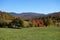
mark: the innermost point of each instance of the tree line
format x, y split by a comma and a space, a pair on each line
9, 21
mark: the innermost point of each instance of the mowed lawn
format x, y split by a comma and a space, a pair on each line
33, 33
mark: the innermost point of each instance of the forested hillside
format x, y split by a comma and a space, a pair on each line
12, 20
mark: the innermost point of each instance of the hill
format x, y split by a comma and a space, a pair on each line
28, 15
30, 19
7, 17
56, 14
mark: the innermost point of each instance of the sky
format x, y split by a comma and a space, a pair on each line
38, 6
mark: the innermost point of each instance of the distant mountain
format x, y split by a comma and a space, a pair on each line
28, 15
12, 13
56, 14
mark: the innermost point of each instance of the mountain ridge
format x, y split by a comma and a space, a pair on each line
28, 15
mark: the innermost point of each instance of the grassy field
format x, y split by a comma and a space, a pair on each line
33, 33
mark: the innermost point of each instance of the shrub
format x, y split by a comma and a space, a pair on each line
16, 23
3, 24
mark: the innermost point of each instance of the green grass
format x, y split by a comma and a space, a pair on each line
33, 33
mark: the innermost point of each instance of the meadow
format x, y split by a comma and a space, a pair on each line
33, 33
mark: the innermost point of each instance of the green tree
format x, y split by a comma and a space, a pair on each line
16, 23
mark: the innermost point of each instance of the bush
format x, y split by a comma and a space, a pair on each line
26, 24
3, 24
16, 23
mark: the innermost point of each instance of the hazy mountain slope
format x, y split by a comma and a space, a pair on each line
28, 15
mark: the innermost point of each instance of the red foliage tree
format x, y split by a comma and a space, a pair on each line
41, 23
36, 23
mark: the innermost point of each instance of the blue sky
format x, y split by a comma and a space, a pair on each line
38, 6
